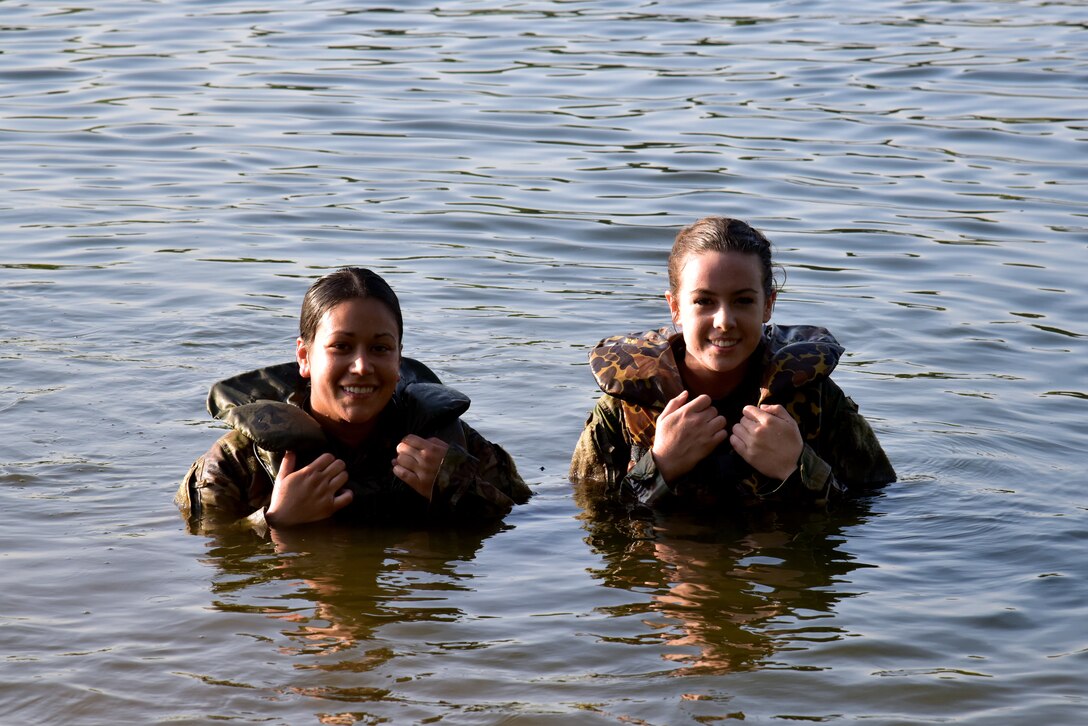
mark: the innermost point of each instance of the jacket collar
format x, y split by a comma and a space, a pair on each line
270, 405
641, 369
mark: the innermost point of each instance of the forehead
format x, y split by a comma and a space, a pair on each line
721, 271
358, 316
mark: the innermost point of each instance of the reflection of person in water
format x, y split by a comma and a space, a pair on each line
348, 582
717, 586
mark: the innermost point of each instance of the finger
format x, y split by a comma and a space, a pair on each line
738, 442
700, 403
287, 465
342, 498
407, 460
338, 480
417, 446
744, 430
438, 444
320, 464
325, 473
757, 416
777, 411
434, 450
409, 478
333, 467
675, 403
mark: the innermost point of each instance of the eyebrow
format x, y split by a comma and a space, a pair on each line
704, 291
351, 334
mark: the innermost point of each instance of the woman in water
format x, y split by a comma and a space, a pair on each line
352, 430
723, 408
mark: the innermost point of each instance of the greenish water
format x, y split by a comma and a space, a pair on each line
174, 175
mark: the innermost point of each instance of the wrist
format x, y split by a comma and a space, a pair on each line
275, 518
664, 467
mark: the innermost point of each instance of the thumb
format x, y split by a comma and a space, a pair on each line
287, 465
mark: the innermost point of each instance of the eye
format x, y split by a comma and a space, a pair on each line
702, 301
746, 300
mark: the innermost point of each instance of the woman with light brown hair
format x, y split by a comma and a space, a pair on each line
723, 408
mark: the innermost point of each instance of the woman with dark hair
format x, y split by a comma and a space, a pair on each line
352, 430
723, 409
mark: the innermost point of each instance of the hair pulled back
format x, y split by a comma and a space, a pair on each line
720, 234
345, 284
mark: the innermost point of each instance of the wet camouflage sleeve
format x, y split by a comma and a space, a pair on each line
848, 456
603, 453
603, 465
477, 483
228, 484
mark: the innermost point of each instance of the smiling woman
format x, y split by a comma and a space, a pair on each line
352, 430
723, 409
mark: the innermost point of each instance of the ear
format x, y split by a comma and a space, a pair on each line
302, 355
768, 307
674, 306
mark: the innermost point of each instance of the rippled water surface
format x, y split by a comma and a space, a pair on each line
175, 174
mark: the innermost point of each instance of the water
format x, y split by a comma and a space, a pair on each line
174, 175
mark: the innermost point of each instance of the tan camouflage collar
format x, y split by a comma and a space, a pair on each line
641, 369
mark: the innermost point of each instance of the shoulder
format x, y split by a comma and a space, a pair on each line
230, 456
606, 413
605, 430
640, 368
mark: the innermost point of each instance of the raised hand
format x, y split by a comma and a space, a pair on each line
312, 493
767, 437
687, 431
418, 461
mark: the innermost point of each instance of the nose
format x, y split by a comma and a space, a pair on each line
723, 318
359, 366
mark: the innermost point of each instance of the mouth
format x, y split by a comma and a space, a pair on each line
359, 390
722, 344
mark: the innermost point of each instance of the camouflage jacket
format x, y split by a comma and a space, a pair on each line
639, 375
267, 412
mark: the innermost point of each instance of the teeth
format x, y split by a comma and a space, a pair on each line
358, 390
723, 343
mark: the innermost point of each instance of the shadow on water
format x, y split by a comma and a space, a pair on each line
726, 592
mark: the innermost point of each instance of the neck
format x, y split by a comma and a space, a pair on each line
352, 434
713, 384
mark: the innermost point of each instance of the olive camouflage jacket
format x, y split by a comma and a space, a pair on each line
266, 410
639, 375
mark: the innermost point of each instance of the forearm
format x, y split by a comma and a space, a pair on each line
220, 486
602, 454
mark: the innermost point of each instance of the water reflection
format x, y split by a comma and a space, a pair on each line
343, 585
726, 593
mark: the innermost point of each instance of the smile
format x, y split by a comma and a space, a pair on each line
724, 344
359, 390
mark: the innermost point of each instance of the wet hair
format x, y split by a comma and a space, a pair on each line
345, 284
720, 234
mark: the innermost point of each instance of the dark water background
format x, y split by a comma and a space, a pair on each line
173, 175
